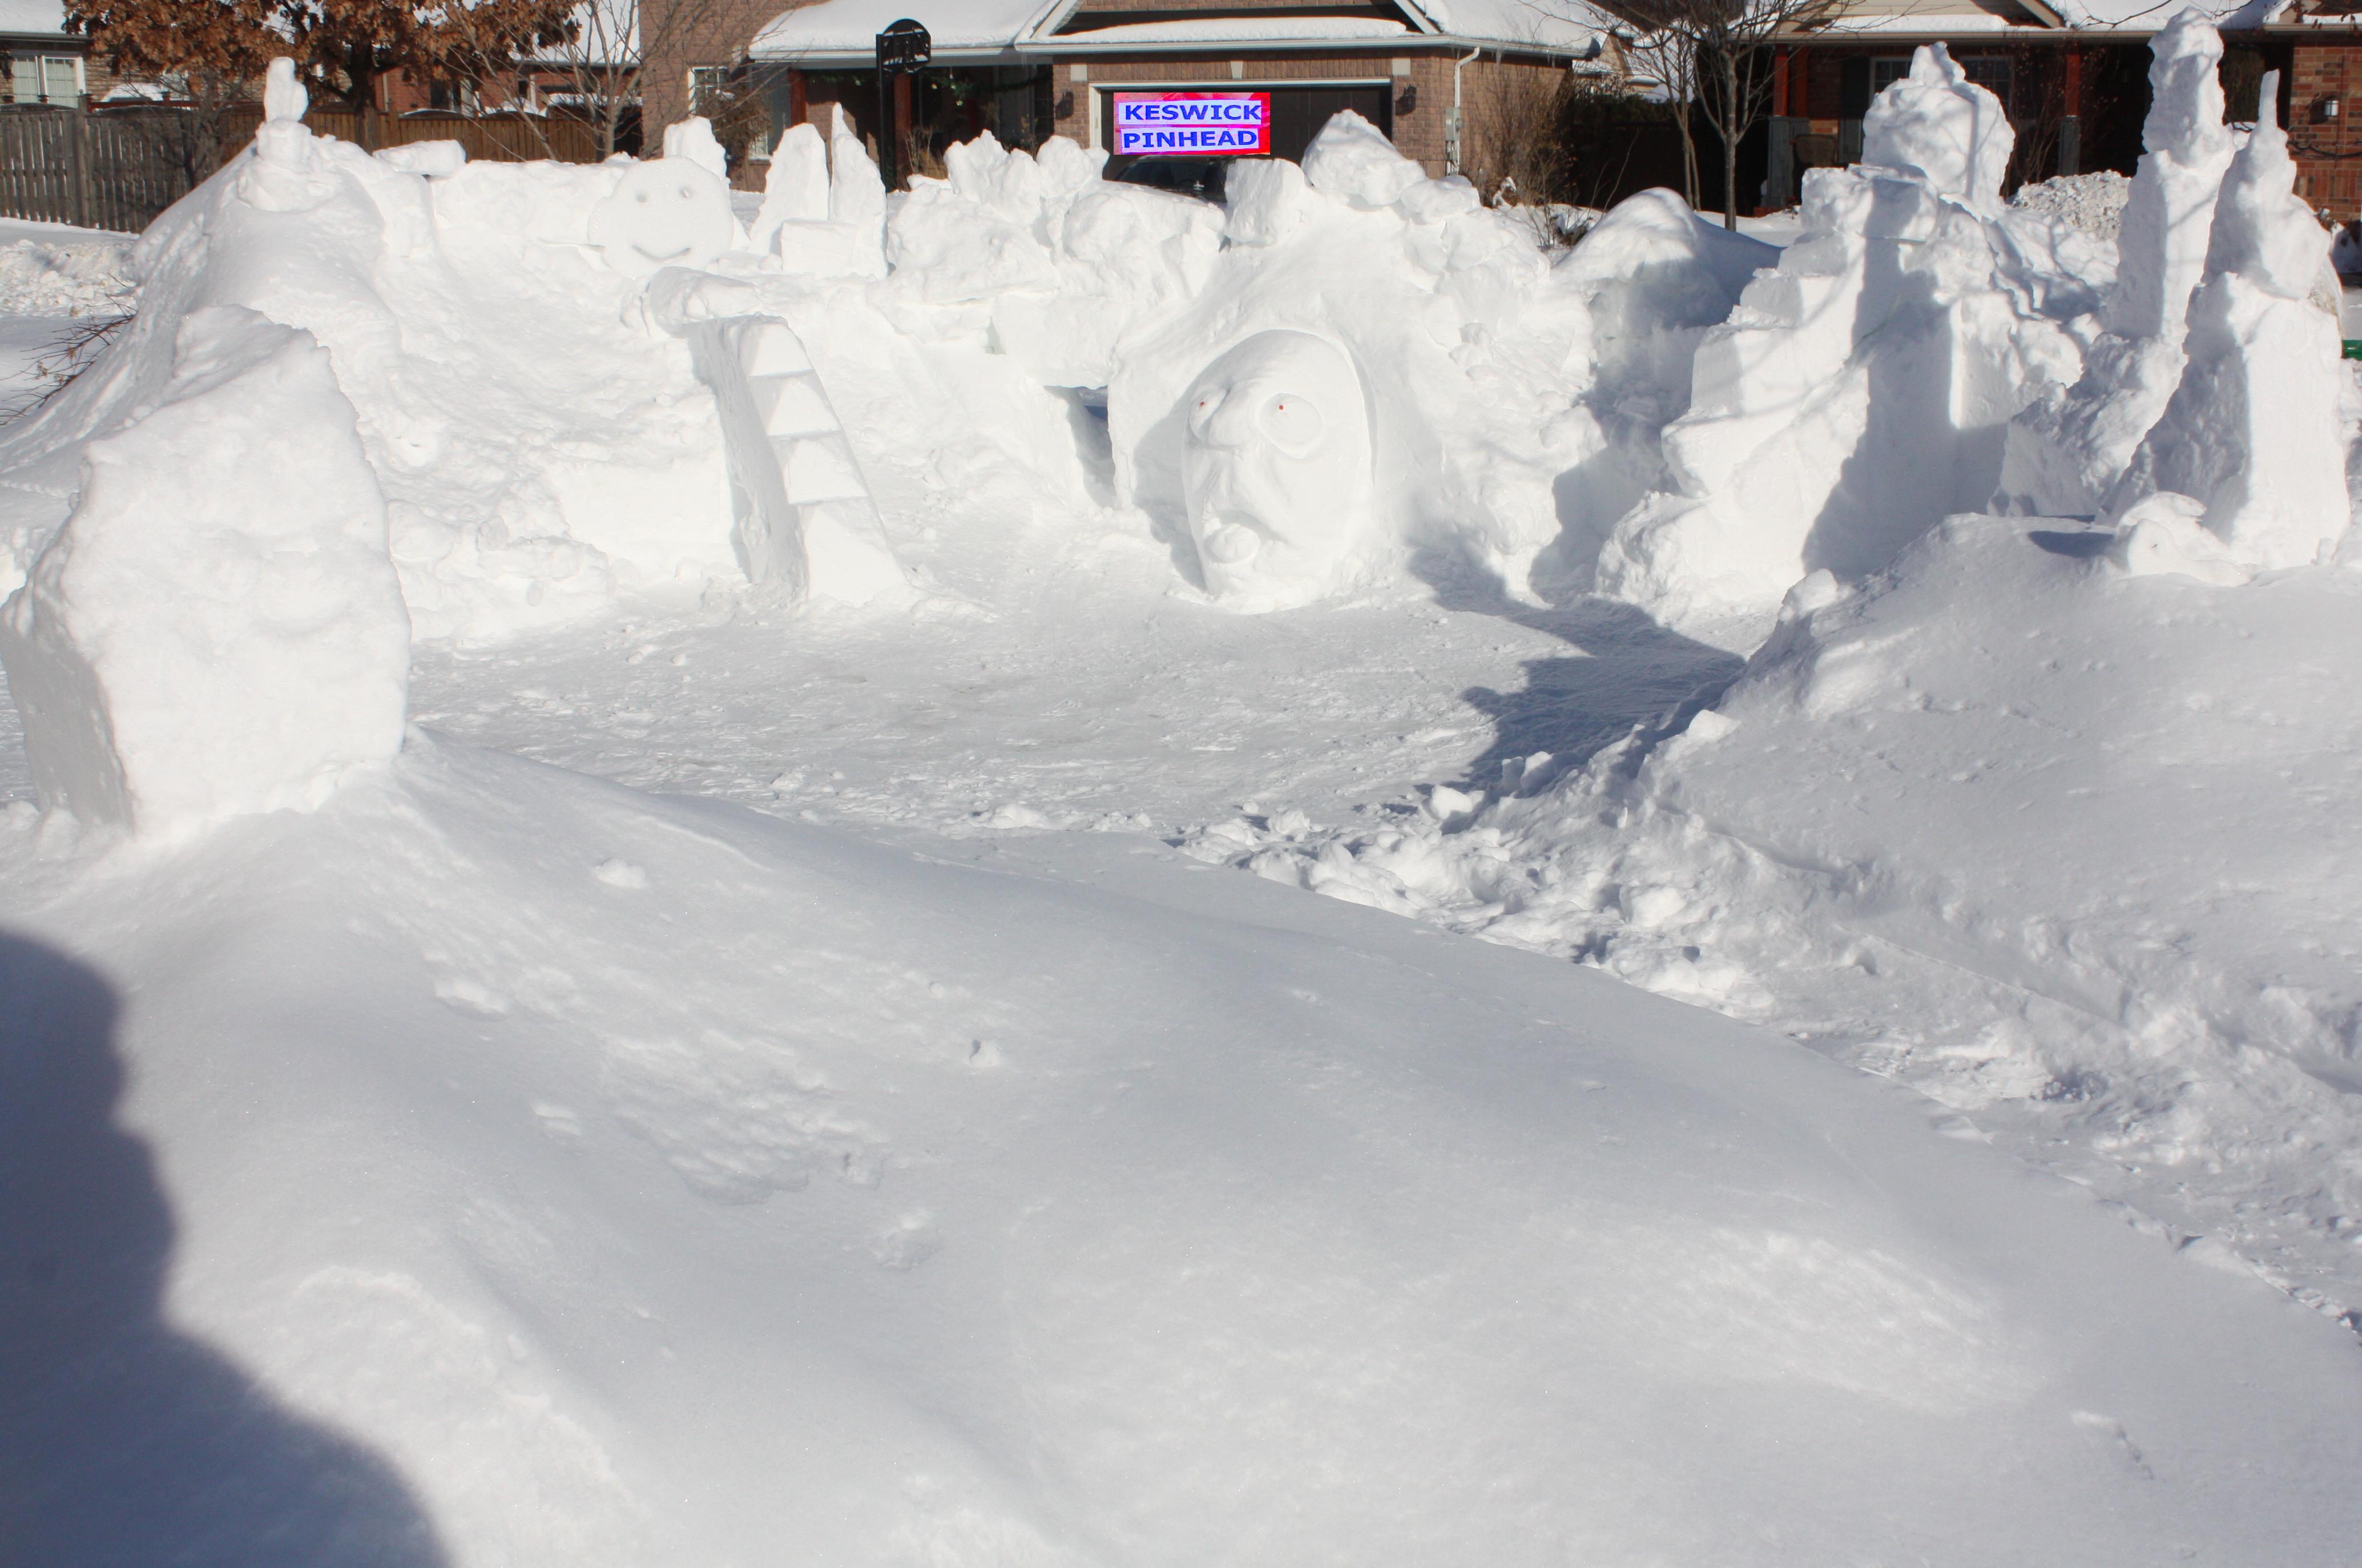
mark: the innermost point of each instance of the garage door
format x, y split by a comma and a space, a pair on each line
1297, 112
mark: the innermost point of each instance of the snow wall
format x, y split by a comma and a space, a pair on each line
574, 385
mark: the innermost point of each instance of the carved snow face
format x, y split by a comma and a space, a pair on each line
1277, 469
664, 213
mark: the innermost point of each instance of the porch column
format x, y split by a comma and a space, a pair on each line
2071, 122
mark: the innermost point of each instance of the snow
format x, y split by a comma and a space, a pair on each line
32, 17
914, 1234
1863, 389
1241, 30
846, 26
854, 25
217, 629
2253, 432
2092, 203
621, 933
1936, 125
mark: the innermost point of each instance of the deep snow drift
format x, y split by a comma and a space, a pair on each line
514, 1163
1017, 1211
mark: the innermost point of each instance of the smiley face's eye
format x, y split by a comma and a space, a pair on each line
1292, 422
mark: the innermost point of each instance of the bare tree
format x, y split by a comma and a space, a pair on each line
1667, 57
1719, 46
603, 66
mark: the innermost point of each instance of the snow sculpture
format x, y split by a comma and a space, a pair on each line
692, 140
1352, 161
218, 628
800, 510
1941, 128
2166, 535
1466, 349
795, 189
2252, 430
2069, 449
668, 212
824, 220
1065, 262
1277, 472
1860, 392
280, 178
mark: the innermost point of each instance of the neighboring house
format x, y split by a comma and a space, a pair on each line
48, 65
1429, 72
2073, 76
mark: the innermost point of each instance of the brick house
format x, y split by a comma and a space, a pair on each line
48, 65
2074, 77
1440, 76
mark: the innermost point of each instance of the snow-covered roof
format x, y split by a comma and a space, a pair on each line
846, 30
1551, 23
1227, 29
1949, 19
20, 17
2148, 15
840, 27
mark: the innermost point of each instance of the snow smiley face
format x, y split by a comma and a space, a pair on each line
1277, 473
665, 213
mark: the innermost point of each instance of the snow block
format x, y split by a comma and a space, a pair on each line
218, 629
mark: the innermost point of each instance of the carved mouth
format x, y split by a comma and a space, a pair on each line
668, 256
1232, 544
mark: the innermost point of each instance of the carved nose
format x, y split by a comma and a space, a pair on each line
1232, 425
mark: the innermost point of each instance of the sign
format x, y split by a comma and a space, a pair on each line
904, 48
1192, 124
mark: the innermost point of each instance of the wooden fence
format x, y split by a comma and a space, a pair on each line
118, 168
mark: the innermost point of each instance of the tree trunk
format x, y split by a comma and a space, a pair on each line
1689, 152
1730, 133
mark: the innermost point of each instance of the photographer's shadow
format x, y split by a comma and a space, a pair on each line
124, 1441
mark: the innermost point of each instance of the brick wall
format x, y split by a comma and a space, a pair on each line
683, 34
2328, 150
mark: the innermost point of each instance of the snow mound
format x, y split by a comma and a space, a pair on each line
2070, 851
2092, 203
84, 278
912, 1237
218, 628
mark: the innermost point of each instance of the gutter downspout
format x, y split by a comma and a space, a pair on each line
1452, 122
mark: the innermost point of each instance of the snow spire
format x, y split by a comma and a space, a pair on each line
2163, 243
284, 97
2263, 229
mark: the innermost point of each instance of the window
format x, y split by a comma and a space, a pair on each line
1991, 72
1885, 72
44, 78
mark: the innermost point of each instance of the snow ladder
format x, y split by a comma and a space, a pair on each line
800, 512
